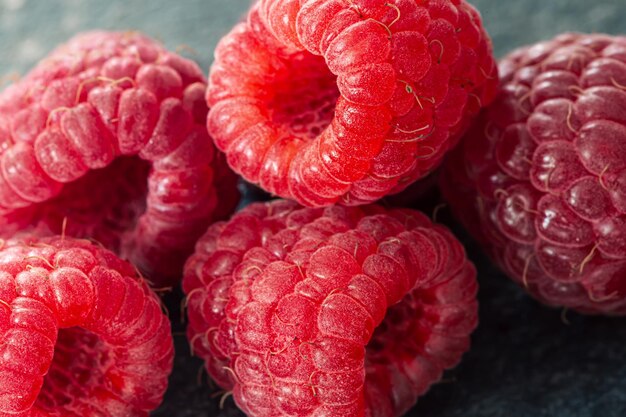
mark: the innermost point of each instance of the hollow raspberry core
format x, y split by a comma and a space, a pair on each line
80, 363
394, 330
424, 320
103, 205
305, 95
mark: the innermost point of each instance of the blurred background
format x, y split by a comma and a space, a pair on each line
526, 360
29, 28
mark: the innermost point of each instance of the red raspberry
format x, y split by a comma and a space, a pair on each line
108, 132
541, 178
80, 333
334, 101
329, 312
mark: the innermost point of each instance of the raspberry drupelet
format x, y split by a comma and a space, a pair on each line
109, 133
540, 179
339, 101
335, 312
81, 334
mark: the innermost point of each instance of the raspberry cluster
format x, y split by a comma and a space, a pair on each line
328, 312
108, 133
335, 101
80, 333
541, 178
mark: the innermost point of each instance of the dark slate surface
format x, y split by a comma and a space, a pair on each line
526, 360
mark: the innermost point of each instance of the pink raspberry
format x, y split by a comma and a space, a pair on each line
80, 333
334, 101
540, 179
329, 312
108, 132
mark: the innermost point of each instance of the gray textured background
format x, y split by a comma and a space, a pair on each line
525, 361
29, 28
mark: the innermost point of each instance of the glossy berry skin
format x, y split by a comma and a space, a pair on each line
108, 132
81, 334
335, 101
329, 312
540, 179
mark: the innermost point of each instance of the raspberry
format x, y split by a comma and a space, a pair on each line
540, 178
331, 311
80, 333
333, 101
108, 132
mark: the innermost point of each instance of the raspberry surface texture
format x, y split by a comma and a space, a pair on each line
109, 133
338, 101
81, 334
540, 179
335, 312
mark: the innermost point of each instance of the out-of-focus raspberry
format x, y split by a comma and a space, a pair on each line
329, 312
540, 179
108, 133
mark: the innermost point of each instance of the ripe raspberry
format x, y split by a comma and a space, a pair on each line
541, 178
108, 132
80, 334
329, 312
334, 101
